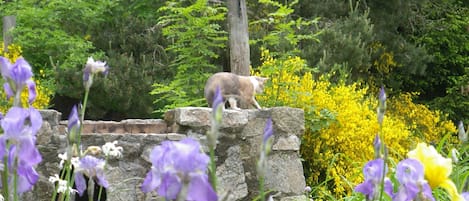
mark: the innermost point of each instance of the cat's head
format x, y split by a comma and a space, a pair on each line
259, 83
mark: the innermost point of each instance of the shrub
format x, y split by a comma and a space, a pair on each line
341, 123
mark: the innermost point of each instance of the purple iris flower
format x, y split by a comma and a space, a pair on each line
93, 168
175, 164
410, 174
93, 67
20, 127
17, 75
268, 131
373, 172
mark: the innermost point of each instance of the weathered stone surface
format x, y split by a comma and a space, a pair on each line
230, 176
136, 126
198, 117
237, 151
291, 142
281, 175
288, 121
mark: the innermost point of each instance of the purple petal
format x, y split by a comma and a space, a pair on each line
200, 189
90, 163
377, 146
73, 119
373, 169
382, 94
366, 188
218, 99
170, 186
80, 183
13, 122
21, 72
409, 170
388, 189
27, 177
6, 66
28, 151
8, 91
35, 119
102, 180
188, 157
268, 130
151, 182
32, 91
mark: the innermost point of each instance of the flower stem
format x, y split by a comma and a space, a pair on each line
213, 169
383, 152
15, 180
6, 194
82, 119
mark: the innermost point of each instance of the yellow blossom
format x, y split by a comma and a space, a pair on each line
437, 169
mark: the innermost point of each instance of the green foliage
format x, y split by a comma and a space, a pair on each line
42, 33
279, 31
196, 37
137, 59
445, 35
345, 47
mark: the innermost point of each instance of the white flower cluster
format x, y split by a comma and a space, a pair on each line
110, 149
63, 158
62, 186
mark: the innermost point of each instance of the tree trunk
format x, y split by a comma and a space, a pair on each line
239, 37
9, 22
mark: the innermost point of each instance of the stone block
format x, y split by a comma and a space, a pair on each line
285, 173
136, 126
290, 143
288, 121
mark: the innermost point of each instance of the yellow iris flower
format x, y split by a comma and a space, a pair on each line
437, 169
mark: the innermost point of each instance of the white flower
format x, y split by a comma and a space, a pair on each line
110, 149
63, 158
75, 161
62, 185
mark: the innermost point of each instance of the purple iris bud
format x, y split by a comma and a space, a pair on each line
373, 172
377, 146
20, 127
175, 164
93, 168
382, 94
17, 75
410, 174
218, 99
382, 105
268, 130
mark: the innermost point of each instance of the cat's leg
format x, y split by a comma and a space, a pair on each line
256, 104
233, 103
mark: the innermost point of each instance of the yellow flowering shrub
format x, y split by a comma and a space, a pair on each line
430, 126
334, 152
43, 93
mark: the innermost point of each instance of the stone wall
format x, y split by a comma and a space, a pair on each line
237, 150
